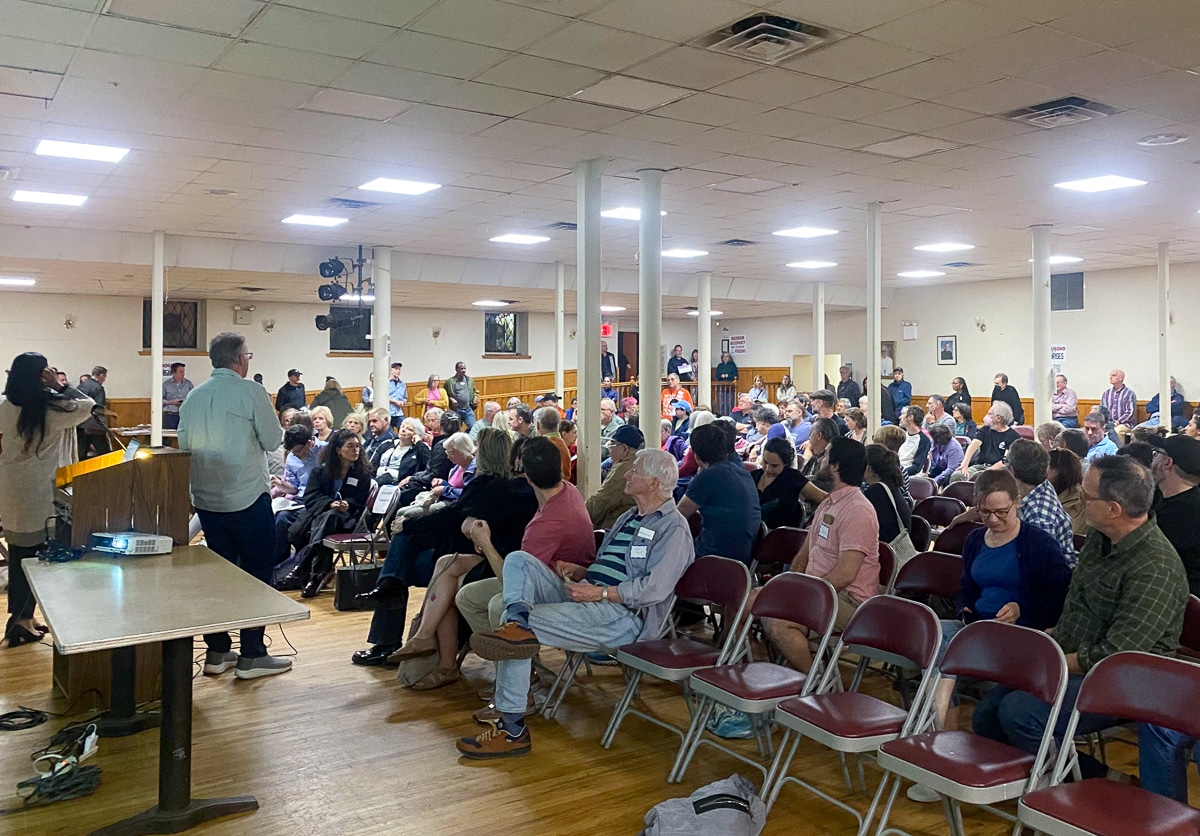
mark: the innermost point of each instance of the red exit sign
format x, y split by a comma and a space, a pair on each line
606, 329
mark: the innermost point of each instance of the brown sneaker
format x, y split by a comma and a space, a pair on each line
512, 641
490, 715
494, 743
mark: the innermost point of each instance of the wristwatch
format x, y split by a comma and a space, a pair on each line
604, 594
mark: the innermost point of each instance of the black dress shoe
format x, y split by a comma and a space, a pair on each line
376, 655
290, 582
312, 588
386, 588
18, 635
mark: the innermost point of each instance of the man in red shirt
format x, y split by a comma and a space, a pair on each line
842, 547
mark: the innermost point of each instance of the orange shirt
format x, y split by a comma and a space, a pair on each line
669, 395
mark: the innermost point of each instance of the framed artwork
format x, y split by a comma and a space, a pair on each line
947, 350
887, 356
725, 345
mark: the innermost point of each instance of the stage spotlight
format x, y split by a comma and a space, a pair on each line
322, 322
330, 292
332, 268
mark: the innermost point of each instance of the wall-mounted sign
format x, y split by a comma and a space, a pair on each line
737, 344
606, 330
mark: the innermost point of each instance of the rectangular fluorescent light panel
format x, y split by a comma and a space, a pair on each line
630, 93
812, 265
683, 253
1062, 259
611, 308
52, 198
410, 187
625, 213
518, 238
17, 281
920, 274
1100, 184
80, 151
314, 220
944, 248
805, 232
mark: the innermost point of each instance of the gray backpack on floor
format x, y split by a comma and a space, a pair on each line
729, 807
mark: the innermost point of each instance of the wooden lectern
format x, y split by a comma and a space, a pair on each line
149, 494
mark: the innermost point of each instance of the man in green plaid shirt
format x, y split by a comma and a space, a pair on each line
1128, 592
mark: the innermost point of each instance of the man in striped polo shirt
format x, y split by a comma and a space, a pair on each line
625, 596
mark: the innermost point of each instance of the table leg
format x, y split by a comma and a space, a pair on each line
176, 810
122, 718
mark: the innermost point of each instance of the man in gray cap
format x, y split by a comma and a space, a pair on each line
610, 501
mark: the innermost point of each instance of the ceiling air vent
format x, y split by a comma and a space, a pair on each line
768, 39
564, 226
252, 289
736, 242
356, 205
1061, 112
961, 264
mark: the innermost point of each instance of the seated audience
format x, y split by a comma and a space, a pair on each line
1176, 470
610, 501
610, 421
991, 442
1066, 475
796, 420
607, 390
673, 392
1064, 407
741, 415
825, 406
1120, 401
322, 420
724, 495
688, 467
856, 424
964, 423
766, 426
490, 410
1139, 451
960, 393
1192, 430
945, 454
1178, 406
433, 395
935, 413
301, 459
893, 438
1040, 506
681, 418
785, 391
356, 423
780, 486
629, 589
883, 490
1077, 442
672, 444
568, 431
1047, 434
1006, 394
408, 455
439, 462
758, 391
1099, 444
546, 420
842, 548
520, 422
335, 400
914, 452
824, 430
460, 450
1128, 592
380, 437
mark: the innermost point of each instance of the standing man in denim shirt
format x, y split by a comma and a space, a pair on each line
397, 395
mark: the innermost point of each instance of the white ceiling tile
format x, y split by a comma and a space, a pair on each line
848, 15
313, 32
287, 64
600, 47
431, 54
852, 103
44, 23
35, 55
947, 27
1115, 23
361, 105
388, 12
932, 79
531, 133
635, 94
129, 73
220, 17
1001, 96
678, 21
483, 98
540, 75
246, 88
1030, 49
693, 68
708, 109
855, 59
32, 83
775, 86
1092, 72
434, 118
850, 136
1179, 49
488, 22
980, 130
727, 141
393, 82
918, 117
581, 115
146, 40
785, 123
654, 128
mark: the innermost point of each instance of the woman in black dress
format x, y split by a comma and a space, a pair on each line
780, 485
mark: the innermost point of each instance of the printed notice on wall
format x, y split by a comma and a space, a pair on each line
737, 344
1058, 354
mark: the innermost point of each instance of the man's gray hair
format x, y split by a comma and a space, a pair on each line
1125, 482
1002, 411
546, 419
225, 349
460, 443
827, 428
491, 405
701, 417
435, 411
660, 466
415, 425
608, 402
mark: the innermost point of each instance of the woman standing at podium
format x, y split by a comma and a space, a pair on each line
38, 417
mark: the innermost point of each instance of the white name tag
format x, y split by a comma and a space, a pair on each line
352, 481
637, 552
645, 534
823, 532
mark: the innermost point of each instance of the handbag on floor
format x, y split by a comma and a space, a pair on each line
353, 580
729, 807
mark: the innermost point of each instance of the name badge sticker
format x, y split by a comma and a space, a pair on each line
637, 552
352, 481
645, 534
823, 532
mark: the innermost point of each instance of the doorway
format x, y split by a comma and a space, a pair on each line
627, 354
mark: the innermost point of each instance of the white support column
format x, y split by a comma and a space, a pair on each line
1043, 372
560, 329
1164, 325
818, 325
650, 367
587, 328
381, 323
704, 339
874, 314
158, 299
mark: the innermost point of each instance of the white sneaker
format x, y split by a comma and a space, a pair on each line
922, 794
261, 666
217, 663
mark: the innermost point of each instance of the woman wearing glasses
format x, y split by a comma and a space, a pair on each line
1012, 572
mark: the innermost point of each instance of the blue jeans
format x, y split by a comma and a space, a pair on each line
1019, 719
170, 420
246, 539
1162, 760
557, 621
1069, 423
408, 561
467, 416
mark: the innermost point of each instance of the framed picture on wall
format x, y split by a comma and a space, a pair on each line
887, 357
947, 350
725, 345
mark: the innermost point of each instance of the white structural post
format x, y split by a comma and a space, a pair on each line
560, 328
650, 369
818, 326
1164, 325
874, 314
381, 324
1043, 371
704, 340
587, 295
158, 300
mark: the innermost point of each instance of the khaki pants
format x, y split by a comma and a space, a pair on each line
481, 604
847, 603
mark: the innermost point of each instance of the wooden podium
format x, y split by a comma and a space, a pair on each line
149, 494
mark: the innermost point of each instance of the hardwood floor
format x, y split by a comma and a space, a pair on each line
331, 748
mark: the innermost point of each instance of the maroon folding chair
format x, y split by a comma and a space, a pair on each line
963, 441
886, 629
775, 551
750, 467
717, 581
921, 487
921, 533
930, 573
952, 540
1189, 640
755, 688
694, 524
1135, 686
599, 534
1026, 432
887, 567
939, 511
961, 766
964, 492
1078, 540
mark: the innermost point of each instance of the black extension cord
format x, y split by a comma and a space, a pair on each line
72, 782
22, 719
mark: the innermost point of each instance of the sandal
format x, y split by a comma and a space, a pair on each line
437, 679
413, 648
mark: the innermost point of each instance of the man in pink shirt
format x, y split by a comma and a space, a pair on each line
561, 530
842, 547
